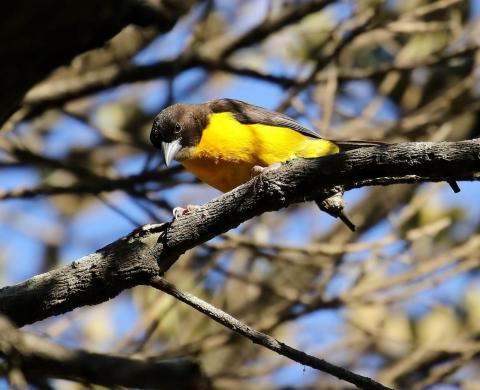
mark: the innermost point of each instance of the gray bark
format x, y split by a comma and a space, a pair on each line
151, 250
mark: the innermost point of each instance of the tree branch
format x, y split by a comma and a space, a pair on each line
37, 356
95, 186
64, 37
152, 249
57, 92
263, 30
61, 91
265, 340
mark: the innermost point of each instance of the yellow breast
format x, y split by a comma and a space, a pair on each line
228, 150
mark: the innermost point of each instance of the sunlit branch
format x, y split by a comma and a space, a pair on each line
152, 249
265, 340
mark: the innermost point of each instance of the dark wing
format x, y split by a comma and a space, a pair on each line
249, 114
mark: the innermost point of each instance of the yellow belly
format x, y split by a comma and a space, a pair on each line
228, 150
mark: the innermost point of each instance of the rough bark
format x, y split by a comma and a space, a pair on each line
152, 249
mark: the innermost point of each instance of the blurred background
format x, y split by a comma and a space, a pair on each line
398, 300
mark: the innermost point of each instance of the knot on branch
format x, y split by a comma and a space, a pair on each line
334, 204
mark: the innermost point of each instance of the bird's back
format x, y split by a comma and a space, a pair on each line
228, 150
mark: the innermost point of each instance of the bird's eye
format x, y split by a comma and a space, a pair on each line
178, 127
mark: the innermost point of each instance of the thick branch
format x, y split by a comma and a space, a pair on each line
71, 28
132, 260
37, 356
169, 12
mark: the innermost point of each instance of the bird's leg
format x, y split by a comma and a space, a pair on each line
257, 169
180, 211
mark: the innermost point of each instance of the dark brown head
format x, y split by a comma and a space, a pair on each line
177, 127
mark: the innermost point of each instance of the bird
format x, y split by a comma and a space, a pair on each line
225, 142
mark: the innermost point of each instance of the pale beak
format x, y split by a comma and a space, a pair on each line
169, 150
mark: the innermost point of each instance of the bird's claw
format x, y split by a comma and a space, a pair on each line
180, 211
257, 169
258, 172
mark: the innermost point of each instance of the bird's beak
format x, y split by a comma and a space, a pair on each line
169, 150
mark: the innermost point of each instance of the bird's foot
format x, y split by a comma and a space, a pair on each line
180, 211
258, 172
257, 169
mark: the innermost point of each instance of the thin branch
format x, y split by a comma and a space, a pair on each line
94, 186
57, 92
263, 339
266, 28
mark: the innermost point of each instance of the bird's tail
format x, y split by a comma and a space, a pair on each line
350, 145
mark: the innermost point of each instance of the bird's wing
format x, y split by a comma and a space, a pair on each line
249, 114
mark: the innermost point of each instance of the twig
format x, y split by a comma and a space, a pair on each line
94, 186
266, 28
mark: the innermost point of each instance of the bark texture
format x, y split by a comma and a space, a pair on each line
151, 250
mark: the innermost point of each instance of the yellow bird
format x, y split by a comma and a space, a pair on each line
225, 142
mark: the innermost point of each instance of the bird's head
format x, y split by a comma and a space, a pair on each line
178, 128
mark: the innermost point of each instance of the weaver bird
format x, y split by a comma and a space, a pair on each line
225, 142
